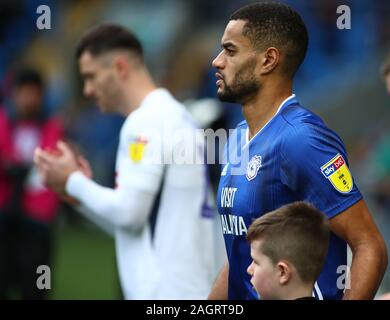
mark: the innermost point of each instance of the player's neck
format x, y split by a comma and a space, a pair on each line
137, 88
263, 106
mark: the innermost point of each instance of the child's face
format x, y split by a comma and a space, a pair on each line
264, 273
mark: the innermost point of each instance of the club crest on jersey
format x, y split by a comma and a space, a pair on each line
253, 167
337, 172
137, 148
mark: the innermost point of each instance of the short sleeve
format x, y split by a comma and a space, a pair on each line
314, 166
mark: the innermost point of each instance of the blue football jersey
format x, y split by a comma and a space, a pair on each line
294, 157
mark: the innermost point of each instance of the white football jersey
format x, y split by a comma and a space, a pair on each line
170, 250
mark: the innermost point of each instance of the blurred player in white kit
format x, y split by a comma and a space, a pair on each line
159, 214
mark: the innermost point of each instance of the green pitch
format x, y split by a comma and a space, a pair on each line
84, 265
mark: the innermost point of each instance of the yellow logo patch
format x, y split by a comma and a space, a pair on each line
337, 172
137, 149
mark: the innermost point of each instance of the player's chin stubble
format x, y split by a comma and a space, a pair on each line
243, 85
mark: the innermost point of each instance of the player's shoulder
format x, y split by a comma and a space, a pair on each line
304, 129
300, 122
160, 115
161, 106
298, 116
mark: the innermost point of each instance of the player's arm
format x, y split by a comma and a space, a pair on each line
102, 223
219, 291
127, 206
122, 207
356, 226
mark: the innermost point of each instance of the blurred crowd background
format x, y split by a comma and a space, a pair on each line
340, 80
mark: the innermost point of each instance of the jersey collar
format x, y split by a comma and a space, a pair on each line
289, 100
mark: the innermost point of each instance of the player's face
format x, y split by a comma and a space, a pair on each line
100, 81
236, 65
264, 273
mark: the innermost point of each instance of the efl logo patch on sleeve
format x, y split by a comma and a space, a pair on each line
137, 148
337, 172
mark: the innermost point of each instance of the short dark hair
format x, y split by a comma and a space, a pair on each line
27, 76
298, 233
108, 37
273, 24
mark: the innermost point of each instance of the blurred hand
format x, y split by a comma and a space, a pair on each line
84, 166
56, 167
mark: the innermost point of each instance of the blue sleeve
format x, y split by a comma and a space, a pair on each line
314, 167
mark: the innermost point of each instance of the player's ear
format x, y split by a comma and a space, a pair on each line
269, 60
121, 65
284, 272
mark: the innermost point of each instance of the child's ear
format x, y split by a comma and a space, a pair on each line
285, 272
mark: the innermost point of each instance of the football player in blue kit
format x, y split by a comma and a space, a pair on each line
284, 153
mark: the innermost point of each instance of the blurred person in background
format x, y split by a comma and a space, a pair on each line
380, 166
381, 155
158, 212
27, 208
